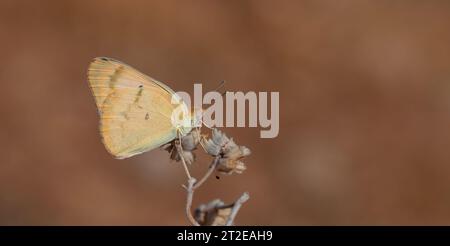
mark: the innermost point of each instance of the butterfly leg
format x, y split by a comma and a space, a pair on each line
200, 138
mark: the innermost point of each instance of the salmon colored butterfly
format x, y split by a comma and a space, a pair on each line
136, 112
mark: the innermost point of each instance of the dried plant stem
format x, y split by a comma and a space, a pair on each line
230, 153
208, 173
237, 205
190, 195
193, 185
180, 152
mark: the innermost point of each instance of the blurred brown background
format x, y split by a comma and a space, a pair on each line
365, 109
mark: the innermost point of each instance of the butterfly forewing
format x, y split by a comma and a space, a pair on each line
135, 110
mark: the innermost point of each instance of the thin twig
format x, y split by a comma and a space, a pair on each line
190, 195
180, 152
208, 173
237, 205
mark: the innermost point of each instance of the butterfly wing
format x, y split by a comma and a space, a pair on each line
135, 110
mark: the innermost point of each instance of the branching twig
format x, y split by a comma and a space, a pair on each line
211, 169
190, 195
193, 185
237, 205
227, 159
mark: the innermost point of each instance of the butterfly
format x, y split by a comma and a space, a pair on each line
137, 113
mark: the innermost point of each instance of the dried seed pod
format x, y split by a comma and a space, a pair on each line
229, 166
215, 213
214, 145
188, 143
230, 153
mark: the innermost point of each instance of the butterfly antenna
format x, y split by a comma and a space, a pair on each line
222, 83
220, 86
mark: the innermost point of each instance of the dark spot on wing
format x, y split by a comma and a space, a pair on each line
114, 76
125, 115
147, 116
104, 59
141, 86
217, 177
138, 94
